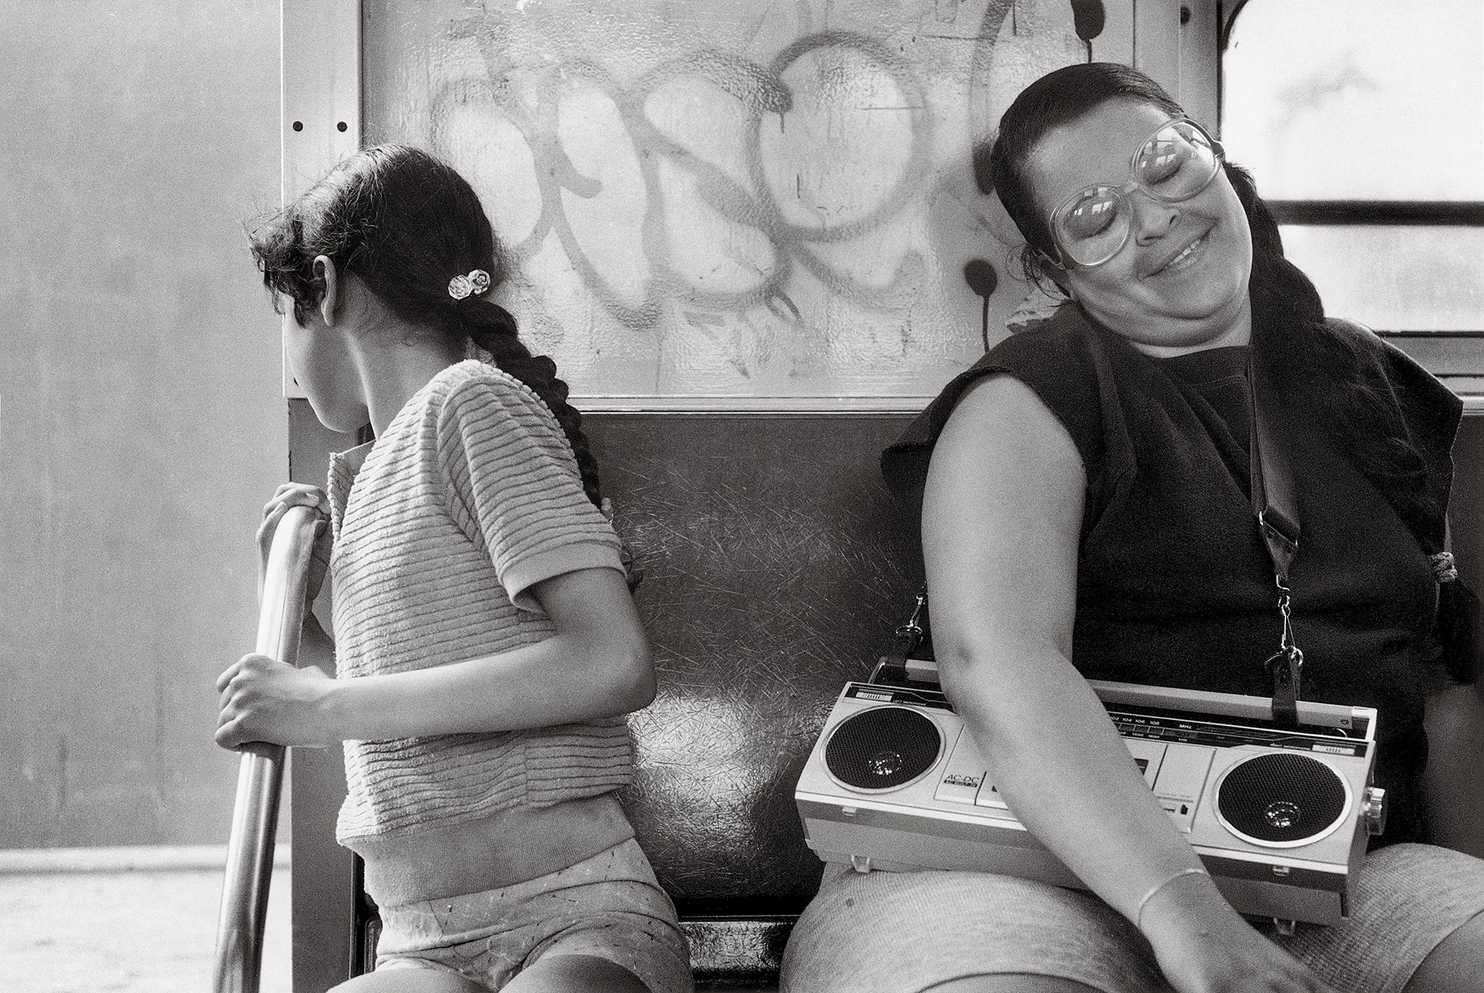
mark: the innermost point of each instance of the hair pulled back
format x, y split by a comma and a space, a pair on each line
1295, 348
405, 223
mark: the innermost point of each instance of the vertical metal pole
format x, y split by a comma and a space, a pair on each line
239, 941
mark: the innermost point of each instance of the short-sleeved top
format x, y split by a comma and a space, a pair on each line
1174, 584
442, 525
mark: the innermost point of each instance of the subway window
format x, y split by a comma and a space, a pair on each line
1363, 122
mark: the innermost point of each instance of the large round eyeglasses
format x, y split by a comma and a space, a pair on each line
1175, 163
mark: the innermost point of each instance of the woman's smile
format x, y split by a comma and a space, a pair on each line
1191, 254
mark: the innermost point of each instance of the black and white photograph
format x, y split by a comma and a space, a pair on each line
777, 496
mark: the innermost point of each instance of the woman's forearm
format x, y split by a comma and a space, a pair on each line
1068, 777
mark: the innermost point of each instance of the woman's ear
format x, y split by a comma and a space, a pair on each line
1043, 266
1058, 275
324, 270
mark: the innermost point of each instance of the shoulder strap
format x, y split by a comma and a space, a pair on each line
1275, 505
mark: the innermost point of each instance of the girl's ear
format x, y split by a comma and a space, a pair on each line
324, 269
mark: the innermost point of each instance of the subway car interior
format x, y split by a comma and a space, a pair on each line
752, 237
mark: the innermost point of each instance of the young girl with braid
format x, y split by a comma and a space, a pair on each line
487, 646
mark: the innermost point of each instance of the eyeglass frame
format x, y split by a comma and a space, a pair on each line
1130, 185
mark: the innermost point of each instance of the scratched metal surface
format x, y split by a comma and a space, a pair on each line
775, 565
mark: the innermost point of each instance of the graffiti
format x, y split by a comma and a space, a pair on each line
763, 98
800, 209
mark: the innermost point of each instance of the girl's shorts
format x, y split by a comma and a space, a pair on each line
609, 906
891, 932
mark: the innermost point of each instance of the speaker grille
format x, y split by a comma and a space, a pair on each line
1281, 799
882, 748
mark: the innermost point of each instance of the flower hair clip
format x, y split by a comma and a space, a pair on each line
473, 284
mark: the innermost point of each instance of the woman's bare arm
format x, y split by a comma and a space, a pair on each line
1002, 519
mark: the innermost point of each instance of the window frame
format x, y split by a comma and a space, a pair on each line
1457, 356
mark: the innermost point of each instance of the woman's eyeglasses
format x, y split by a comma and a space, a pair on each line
1175, 163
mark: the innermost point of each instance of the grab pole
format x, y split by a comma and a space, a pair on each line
239, 937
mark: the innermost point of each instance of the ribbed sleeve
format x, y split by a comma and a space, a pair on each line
514, 487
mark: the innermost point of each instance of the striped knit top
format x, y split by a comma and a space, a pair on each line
441, 527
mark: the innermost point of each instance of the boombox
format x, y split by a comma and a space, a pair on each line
1279, 815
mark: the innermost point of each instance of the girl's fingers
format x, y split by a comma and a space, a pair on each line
228, 673
228, 735
296, 495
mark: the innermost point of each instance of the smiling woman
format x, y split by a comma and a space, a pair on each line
1087, 493
1168, 263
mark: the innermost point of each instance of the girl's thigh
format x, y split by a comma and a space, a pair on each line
575, 974
409, 979
961, 931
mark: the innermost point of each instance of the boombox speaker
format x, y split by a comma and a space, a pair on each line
1279, 814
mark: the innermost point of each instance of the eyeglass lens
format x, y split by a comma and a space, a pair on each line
1175, 164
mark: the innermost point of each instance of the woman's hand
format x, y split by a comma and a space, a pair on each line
296, 495
263, 699
1203, 946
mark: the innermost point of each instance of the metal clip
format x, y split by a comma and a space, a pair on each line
910, 629
1285, 610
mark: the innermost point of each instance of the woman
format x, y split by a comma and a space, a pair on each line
487, 646
1086, 514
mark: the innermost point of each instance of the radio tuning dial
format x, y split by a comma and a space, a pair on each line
1373, 809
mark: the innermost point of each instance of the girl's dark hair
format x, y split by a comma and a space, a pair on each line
1296, 350
406, 223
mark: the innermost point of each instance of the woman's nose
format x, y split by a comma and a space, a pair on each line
1152, 218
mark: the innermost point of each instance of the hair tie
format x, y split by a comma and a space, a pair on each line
1443, 569
473, 284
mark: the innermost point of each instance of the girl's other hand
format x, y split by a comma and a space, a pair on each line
263, 699
297, 495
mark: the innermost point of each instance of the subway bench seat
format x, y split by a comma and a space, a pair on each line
775, 566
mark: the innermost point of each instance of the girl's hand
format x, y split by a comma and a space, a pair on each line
1203, 946
297, 495
263, 699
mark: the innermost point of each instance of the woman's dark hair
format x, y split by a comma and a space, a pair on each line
1295, 350
1054, 100
406, 223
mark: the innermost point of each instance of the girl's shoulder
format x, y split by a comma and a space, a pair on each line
483, 386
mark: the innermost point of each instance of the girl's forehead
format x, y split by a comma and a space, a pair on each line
1093, 148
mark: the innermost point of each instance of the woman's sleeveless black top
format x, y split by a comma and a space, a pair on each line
1174, 585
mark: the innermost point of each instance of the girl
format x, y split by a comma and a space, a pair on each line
487, 643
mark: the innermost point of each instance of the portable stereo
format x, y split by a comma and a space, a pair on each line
1279, 815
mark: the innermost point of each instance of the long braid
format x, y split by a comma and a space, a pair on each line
493, 328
